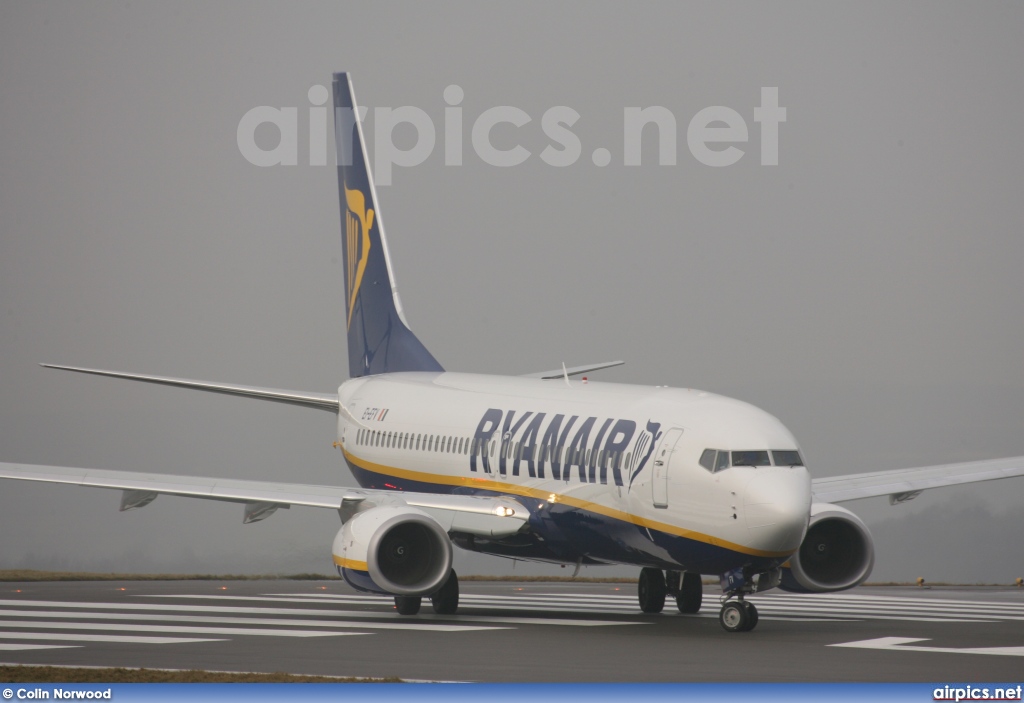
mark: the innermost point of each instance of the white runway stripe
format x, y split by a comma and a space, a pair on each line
76, 637
290, 622
914, 610
538, 608
898, 599
513, 602
336, 613
10, 647
179, 629
790, 606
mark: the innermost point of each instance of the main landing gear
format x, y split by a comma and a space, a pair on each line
737, 614
445, 601
684, 586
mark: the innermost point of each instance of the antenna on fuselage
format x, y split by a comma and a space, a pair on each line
565, 374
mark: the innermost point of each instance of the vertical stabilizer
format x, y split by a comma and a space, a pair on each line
379, 340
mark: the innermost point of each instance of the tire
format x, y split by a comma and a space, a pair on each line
651, 590
752, 616
407, 605
446, 600
733, 617
691, 593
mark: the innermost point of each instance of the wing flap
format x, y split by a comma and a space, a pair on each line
904, 482
485, 516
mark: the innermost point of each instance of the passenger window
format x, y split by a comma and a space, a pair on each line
707, 460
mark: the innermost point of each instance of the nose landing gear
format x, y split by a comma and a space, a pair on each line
738, 616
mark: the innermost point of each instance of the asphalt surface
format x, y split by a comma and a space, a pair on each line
507, 631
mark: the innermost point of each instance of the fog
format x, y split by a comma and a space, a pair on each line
866, 290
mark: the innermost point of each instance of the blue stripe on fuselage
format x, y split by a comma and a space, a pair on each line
570, 534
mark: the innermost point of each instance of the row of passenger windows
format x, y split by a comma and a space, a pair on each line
715, 460
604, 459
420, 442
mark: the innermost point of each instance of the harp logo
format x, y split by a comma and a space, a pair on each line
358, 222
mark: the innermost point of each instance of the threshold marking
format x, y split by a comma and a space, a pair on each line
902, 644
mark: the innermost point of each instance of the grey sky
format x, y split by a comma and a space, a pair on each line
867, 290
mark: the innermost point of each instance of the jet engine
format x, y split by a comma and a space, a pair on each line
393, 550
837, 553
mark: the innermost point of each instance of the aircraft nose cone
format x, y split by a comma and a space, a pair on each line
776, 505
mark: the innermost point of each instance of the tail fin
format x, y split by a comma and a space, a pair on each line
379, 340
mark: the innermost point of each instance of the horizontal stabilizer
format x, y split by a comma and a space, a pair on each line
322, 401
573, 370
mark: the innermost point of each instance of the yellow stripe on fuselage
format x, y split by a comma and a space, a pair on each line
526, 492
350, 563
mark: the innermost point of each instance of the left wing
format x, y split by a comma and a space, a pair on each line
489, 517
905, 484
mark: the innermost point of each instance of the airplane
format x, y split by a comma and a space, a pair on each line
546, 467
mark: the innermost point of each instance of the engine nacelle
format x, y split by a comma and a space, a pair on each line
837, 553
393, 550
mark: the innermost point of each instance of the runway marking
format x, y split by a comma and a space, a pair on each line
310, 612
377, 614
11, 647
289, 622
901, 644
75, 637
180, 629
796, 606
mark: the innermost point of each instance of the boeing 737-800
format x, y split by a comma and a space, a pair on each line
678, 483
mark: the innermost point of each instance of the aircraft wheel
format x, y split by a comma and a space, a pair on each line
691, 592
734, 617
752, 615
446, 600
407, 605
651, 590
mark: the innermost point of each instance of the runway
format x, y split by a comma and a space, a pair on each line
507, 631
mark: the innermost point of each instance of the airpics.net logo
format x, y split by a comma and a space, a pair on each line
715, 135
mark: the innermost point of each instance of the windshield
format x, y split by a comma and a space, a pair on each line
750, 458
787, 457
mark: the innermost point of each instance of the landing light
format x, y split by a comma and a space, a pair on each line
504, 511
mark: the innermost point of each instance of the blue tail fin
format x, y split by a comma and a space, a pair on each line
379, 340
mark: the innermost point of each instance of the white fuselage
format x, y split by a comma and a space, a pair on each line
609, 472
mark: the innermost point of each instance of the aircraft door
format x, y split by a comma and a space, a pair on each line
662, 462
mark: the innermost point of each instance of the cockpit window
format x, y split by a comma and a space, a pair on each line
722, 462
707, 459
750, 458
787, 457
